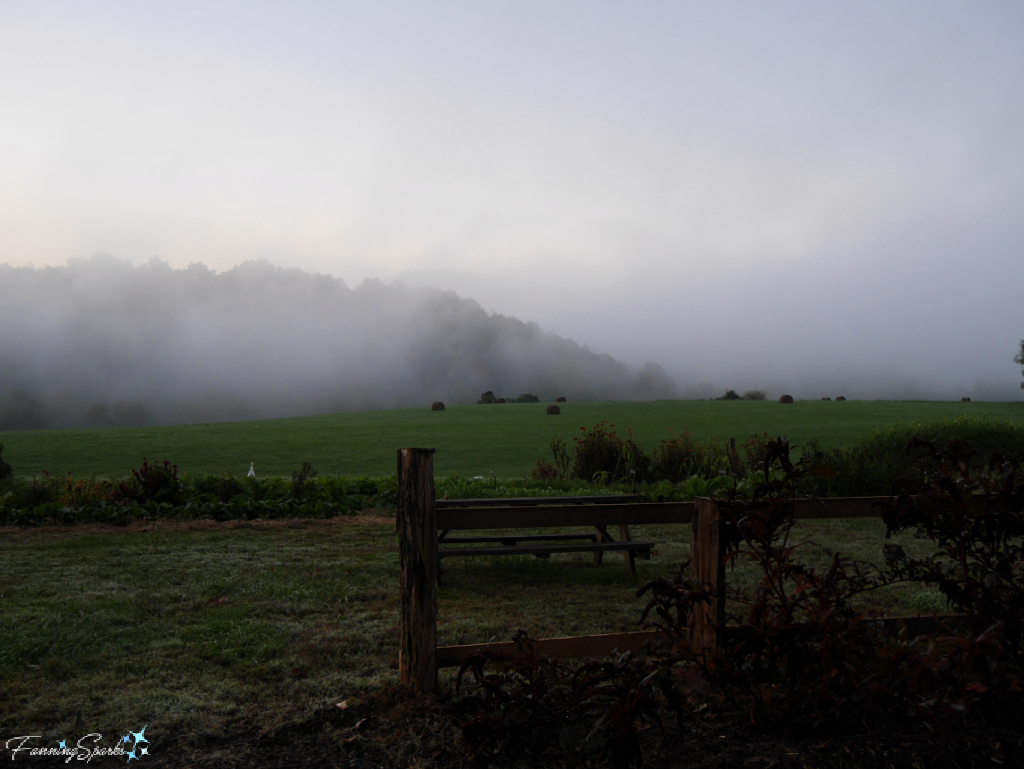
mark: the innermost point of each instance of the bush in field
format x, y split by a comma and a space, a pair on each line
487, 397
525, 398
755, 395
5, 469
730, 395
677, 458
601, 454
152, 483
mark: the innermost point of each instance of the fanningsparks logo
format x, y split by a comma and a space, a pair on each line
133, 745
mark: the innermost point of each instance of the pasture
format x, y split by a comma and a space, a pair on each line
470, 440
231, 639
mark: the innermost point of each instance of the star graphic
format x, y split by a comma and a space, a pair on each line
62, 745
132, 755
125, 739
139, 736
145, 751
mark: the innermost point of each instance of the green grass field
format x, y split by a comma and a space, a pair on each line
470, 440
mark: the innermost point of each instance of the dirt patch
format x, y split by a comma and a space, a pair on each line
364, 518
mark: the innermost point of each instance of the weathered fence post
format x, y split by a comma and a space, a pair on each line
707, 568
416, 522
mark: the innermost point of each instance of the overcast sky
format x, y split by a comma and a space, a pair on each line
796, 194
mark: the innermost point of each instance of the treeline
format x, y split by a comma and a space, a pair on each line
101, 342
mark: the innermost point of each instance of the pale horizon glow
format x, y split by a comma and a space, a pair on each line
788, 194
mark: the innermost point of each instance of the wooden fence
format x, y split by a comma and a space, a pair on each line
418, 522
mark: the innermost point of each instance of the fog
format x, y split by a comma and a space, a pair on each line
811, 198
103, 343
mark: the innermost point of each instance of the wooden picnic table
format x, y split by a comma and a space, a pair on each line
522, 513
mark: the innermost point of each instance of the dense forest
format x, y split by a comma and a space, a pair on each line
101, 342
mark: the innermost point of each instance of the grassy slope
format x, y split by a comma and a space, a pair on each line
471, 440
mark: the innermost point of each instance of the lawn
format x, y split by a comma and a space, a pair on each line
206, 631
470, 440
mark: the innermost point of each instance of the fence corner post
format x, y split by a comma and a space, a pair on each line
707, 568
416, 522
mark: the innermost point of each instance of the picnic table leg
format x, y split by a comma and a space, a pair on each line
624, 537
602, 536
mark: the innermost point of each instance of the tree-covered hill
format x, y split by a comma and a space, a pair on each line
102, 342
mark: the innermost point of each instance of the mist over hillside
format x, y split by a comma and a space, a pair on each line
101, 342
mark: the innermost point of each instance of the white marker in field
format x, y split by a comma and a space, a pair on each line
252, 472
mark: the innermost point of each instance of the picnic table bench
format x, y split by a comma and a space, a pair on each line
522, 512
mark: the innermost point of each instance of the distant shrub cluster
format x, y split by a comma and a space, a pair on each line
600, 455
749, 395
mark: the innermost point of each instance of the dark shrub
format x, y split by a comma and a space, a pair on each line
301, 478
153, 483
601, 453
730, 395
5, 469
228, 488
526, 398
487, 397
500, 400
755, 395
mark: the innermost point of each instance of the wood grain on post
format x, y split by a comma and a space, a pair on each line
416, 522
707, 568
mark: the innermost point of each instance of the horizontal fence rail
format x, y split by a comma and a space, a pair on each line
547, 516
607, 499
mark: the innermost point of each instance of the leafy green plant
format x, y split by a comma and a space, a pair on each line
301, 478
